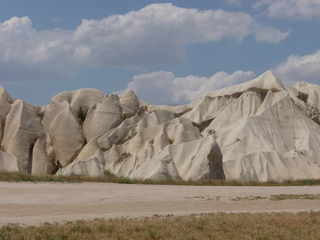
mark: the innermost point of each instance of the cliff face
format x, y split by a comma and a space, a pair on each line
258, 130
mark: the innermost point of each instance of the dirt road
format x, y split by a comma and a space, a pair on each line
36, 203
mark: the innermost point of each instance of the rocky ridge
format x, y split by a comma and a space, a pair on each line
258, 130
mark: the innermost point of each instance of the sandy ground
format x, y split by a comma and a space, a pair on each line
35, 203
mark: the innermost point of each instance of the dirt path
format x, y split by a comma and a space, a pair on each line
36, 203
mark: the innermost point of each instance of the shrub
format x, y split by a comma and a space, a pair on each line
81, 113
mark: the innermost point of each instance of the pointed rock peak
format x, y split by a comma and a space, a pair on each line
270, 81
129, 102
5, 95
301, 85
129, 93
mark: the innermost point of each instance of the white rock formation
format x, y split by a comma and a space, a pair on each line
129, 102
22, 130
8, 162
258, 130
102, 117
66, 135
82, 97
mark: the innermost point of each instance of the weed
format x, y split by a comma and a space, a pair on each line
126, 180
81, 113
248, 198
153, 234
127, 115
294, 197
111, 178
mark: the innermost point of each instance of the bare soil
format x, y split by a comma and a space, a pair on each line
36, 203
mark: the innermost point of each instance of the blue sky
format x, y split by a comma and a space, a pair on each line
167, 52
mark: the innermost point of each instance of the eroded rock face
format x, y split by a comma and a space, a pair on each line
129, 102
22, 130
66, 135
8, 162
258, 130
102, 117
82, 97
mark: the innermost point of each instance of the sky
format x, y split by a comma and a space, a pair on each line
167, 52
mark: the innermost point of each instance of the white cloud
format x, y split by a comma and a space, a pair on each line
159, 33
291, 9
270, 35
156, 34
28, 55
299, 68
165, 88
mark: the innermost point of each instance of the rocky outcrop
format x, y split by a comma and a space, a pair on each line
258, 130
129, 102
8, 162
23, 129
102, 117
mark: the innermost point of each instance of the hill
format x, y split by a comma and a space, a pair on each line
258, 130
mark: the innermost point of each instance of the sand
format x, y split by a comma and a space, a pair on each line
36, 203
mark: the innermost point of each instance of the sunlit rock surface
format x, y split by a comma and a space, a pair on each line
258, 130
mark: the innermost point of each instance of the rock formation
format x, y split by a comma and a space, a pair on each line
258, 130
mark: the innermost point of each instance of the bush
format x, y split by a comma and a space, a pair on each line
81, 114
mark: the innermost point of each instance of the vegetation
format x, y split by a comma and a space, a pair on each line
295, 197
111, 178
127, 115
303, 225
81, 113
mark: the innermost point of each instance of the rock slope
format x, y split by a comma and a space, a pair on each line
258, 130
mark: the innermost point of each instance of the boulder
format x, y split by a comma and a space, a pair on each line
89, 149
22, 130
81, 97
129, 102
90, 167
198, 159
8, 162
66, 135
102, 117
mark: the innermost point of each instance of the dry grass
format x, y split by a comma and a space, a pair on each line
110, 178
248, 198
295, 197
206, 226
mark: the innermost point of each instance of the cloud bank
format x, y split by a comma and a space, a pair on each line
28, 55
165, 88
299, 68
156, 34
